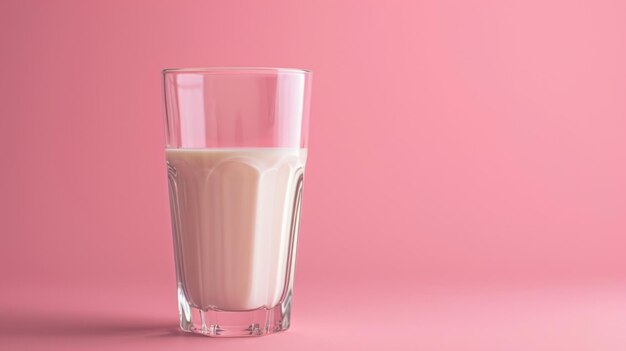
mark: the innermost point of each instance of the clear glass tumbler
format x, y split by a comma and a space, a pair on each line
236, 146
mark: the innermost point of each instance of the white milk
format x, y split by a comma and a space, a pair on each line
232, 213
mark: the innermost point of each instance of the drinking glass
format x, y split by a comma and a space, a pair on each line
236, 146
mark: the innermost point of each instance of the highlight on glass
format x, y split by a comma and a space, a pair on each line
236, 148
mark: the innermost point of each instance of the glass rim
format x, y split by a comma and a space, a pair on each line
248, 70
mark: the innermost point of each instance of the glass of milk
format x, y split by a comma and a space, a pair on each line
236, 146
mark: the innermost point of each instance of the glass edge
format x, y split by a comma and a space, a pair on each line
230, 69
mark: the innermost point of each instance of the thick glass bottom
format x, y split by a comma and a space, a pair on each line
216, 323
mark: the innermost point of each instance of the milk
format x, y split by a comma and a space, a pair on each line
233, 214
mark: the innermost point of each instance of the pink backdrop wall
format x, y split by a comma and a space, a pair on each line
453, 143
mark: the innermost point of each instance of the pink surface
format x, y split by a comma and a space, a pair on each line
466, 183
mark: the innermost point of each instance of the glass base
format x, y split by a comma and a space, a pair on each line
217, 323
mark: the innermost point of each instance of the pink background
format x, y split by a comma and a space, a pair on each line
466, 182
